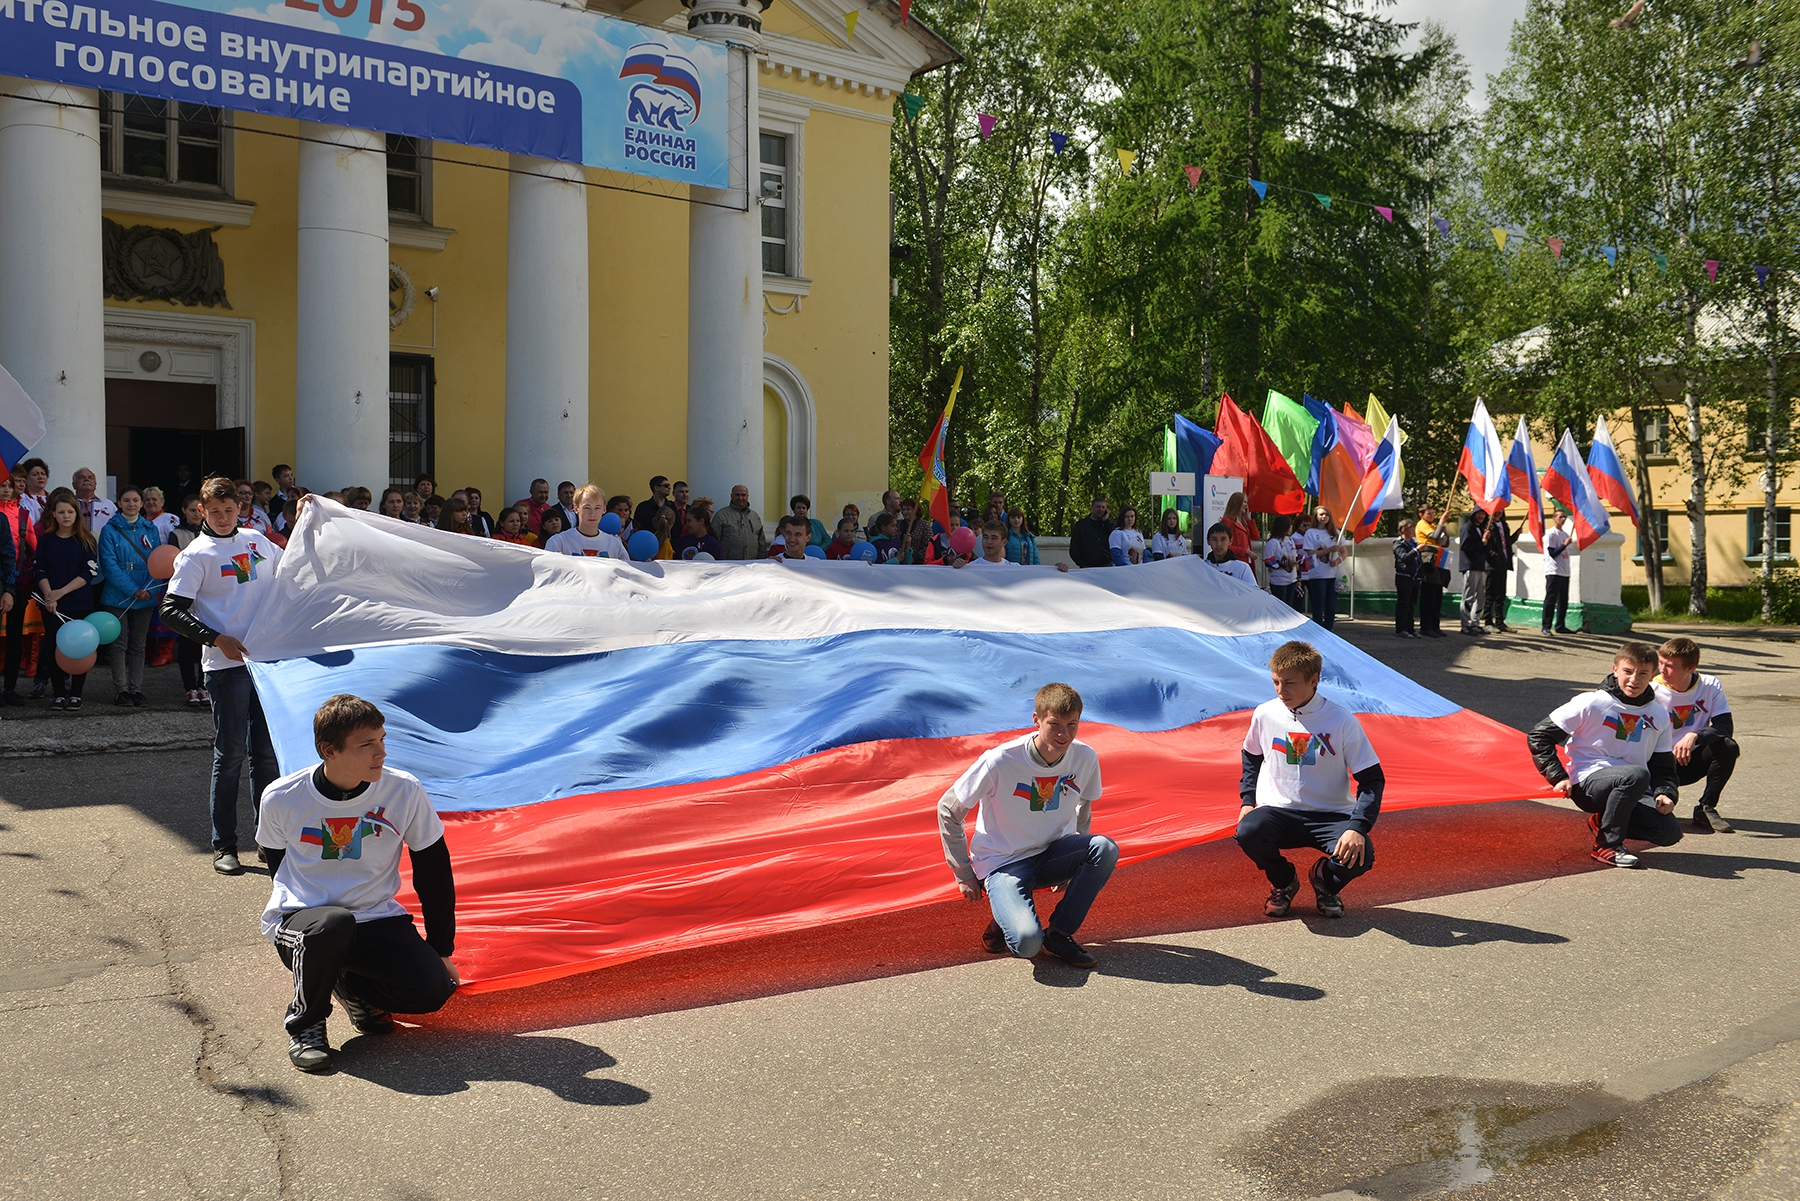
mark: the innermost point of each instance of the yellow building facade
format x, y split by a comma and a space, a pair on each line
826, 107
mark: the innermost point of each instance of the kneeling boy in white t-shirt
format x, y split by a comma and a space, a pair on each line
331, 835
1311, 779
1033, 799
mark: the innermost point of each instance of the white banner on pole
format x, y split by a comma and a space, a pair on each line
1215, 492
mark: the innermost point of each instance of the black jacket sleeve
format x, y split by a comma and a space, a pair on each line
436, 886
1663, 781
1247, 782
9, 558
1371, 782
1543, 740
1716, 730
273, 857
178, 615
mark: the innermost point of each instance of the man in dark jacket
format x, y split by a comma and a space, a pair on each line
1621, 749
1090, 542
1499, 542
1471, 560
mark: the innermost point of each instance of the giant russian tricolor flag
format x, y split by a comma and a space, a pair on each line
21, 423
1483, 462
635, 758
1567, 480
1608, 473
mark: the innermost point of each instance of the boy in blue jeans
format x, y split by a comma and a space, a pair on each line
1033, 799
1310, 779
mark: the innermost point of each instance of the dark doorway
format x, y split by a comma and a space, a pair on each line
412, 380
156, 427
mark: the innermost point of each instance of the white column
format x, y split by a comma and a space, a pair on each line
341, 334
546, 325
52, 320
725, 300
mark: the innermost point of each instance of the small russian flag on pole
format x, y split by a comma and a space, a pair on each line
1522, 476
1567, 481
1608, 473
1483, 462
21, 422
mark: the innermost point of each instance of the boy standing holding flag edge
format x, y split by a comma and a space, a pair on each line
1034, 803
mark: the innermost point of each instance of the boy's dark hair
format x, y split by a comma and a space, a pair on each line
1641, 653
658, 479
790, 522
1298, 656
843, 519
190, 498
1683, 649
1280, 525
1217, 527
279, 468
1058, 699
342, 716
218, 488
993, 527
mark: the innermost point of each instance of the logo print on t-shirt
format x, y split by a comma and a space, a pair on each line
1045, 792
1303, 749
1683, 714
243, 567
1629, 727
341, 837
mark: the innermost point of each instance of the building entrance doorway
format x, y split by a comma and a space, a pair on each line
165, 433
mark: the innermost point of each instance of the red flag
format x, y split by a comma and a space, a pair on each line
1248, 451
905, 10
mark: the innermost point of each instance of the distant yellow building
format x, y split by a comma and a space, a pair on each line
201, 254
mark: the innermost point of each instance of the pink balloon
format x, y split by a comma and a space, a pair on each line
162, 562
76, 667
963, 539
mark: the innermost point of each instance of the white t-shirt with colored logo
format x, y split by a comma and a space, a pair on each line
601, 546
227, 579
343, 853
1022, 806
1691, 710
1606, 732
1318, 546
1309, 755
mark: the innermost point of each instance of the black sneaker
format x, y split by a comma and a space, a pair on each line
993, 941
123, 700
58, 705
226, 864
137, 700
74, 704
310, 1050
1708, 818
1564, 630
38, 689
1282, 899
365, 1017
1067, 949
1329, 903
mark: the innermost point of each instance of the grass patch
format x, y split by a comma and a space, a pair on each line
1727, 606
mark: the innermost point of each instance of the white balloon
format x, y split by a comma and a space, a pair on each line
700, 554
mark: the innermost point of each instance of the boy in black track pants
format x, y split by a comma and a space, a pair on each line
1700, 722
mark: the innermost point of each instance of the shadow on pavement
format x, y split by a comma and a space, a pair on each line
1425, 853
1427, 929
1171, 963
1717, 867
429, 1063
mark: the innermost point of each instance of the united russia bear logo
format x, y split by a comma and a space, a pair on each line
668, 97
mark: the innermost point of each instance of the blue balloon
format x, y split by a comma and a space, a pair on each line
77, 639
815, 552
610, 524
643, 546
106, 623
863, 552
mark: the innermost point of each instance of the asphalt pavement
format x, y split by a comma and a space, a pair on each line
1495, 1015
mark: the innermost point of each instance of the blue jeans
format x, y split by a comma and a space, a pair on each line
1265, 832
1321, 596
238, 724
1617, 795
1084, 862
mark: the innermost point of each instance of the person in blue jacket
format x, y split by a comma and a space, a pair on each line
125, 545
1021, 543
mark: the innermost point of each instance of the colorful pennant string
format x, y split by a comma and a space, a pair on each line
1193, 174
1386, 212
905, 10
1556, 245
987, 124
1126, 158
1662, 261
1612, 255
1443, 224
1712, 270
1762, 275
1261, 189
1059, 140
850, 26
912, 102
1323, 199
1500, 236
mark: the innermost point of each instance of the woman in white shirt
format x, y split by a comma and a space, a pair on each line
1127, 542
1167, 543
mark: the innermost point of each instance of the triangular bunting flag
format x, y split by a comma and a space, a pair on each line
1612, 255
1126, 158
1261, 189
1762, 276
1712, 270
1386, 212
1500, 236
1193, 174
1058, 141
905, 10
1662, 261
1556, 245
1443, 224
850, 26
1322, 199
987, 125
912, 102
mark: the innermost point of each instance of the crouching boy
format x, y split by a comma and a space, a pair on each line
331, 835
1310, 779
1620, 750
1033, 799
1700, 724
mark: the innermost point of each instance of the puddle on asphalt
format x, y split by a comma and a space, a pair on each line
1396, 1139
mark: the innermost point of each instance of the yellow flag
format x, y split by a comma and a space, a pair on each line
1378, 421
1126, 158
1500, 236
850, 26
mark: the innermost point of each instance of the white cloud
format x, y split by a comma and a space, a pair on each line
1483, 29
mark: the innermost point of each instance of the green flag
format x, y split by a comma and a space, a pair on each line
1291, 428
